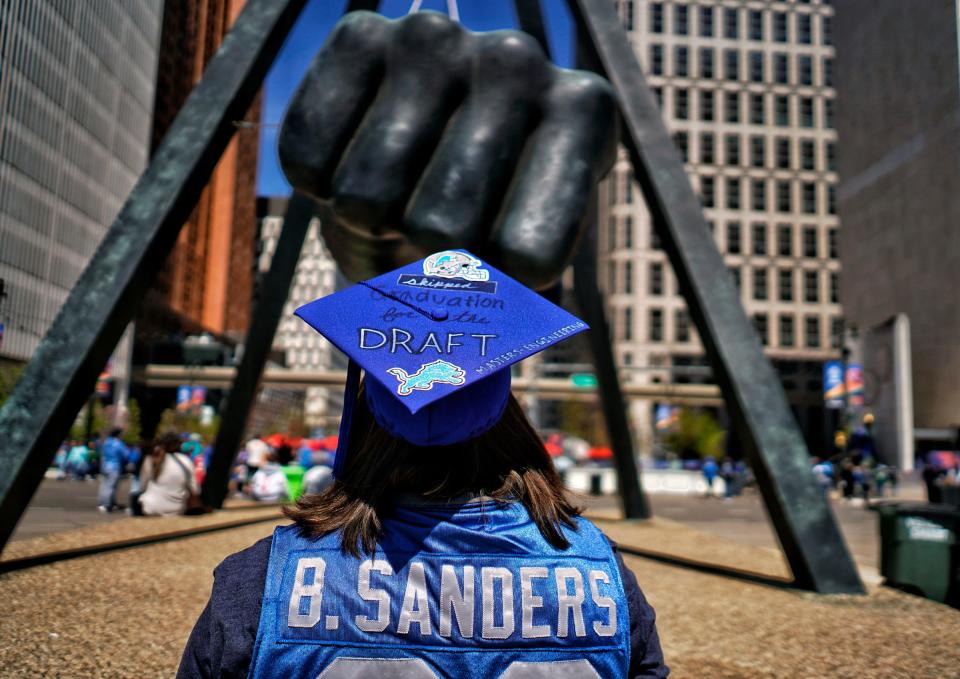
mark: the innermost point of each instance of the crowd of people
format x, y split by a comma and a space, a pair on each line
166, 474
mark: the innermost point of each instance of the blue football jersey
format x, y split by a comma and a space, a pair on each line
468, 590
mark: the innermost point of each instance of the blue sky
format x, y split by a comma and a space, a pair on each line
311, 30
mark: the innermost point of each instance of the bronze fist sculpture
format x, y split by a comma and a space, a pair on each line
423, 136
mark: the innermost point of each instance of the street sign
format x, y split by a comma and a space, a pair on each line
583, 380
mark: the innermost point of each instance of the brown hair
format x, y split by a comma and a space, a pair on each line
507, 463
169, 443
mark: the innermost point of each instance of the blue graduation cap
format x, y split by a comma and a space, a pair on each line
436, 340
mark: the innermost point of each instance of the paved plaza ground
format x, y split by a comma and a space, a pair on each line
127, 613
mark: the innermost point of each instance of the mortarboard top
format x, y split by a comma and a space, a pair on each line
436, 339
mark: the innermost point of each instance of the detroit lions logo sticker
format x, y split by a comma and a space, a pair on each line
452, 271
453, 264
438, 372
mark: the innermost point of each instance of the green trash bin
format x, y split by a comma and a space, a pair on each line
294, 473
920, 549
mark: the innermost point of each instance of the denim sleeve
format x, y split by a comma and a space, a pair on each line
221, 644
646, 656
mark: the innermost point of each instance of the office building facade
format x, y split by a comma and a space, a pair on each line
746, 90
77, 87
898, 73
299, 345
206, 283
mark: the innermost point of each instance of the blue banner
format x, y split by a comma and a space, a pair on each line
833, 387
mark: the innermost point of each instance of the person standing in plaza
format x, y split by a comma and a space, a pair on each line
113, 458
446, 546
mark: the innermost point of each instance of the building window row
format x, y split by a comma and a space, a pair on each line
759, 232
788, 153
787, 330
763, 108
734, 23
755, 68
789, 196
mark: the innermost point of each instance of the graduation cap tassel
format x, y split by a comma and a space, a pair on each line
349, 401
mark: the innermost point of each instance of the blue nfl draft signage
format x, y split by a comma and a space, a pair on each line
833, 386
1, 334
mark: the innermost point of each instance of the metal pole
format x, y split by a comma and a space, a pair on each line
801, 516
64, 368
276, 286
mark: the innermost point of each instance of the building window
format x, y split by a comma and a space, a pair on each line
656, 59
804, 29
708, 192
707, 148
706, 62
809, 194
812, 331
628, 232
786, 331
828, 113
826, 30
731, 24
759, 237
733, 193
656, 325
732, 106
656, 279
612, 235
758, 151
827, 72
756, 67
784, 200
782, 145
806, 112
612, 277
833, 245
680, 141
807, 154
628, 16
782, 107
805, 69
731, 64
830, 151
781, 68
785, 285
831, 199
834, 287
760, 325
757, 116
658, 93
836, 332
811, 287
706, 22
785, 240
628, 188
759, 284
733, 238
681, 20
680, 104
780, 29
628, 277
627, 358
732, 147
656, 17
627, 330
735, 275
756, 24
681, 65
810, 241
681, 325
654, 238
706, 105
758, 195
